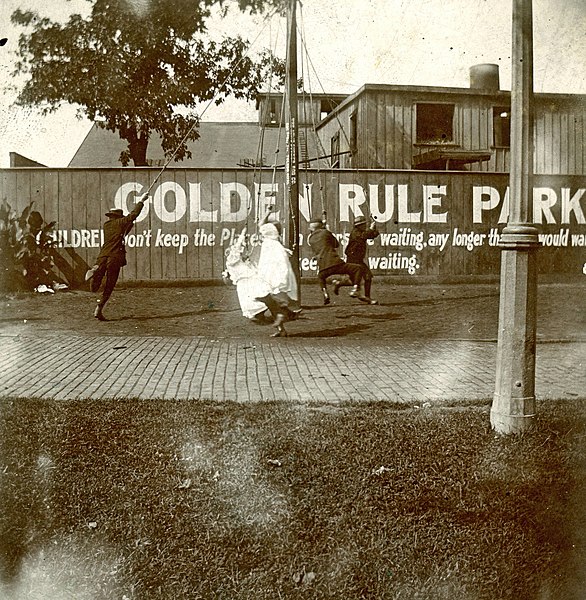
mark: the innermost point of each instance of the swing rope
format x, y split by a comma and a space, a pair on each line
259, 163
305, 55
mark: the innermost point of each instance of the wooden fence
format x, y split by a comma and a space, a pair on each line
433, 223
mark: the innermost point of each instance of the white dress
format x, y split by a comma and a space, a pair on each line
244, 276
274, 269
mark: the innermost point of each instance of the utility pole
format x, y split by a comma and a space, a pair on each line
292, 162
513, 406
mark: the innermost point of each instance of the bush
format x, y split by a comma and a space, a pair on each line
26, 249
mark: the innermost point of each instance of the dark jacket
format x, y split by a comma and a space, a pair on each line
324, 244
114, 231
356, 248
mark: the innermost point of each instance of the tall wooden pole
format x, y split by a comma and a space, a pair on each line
292, 162
513, 407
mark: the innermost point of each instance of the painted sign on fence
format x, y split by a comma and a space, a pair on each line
439, 224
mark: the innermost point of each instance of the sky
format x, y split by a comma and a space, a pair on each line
344, 44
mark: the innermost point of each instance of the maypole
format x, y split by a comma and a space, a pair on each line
291, 164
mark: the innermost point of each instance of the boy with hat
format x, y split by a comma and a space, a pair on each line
324, 245
356, 253
112, 256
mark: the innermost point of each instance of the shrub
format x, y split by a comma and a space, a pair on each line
26, 249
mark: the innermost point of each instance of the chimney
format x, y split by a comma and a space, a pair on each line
485, 77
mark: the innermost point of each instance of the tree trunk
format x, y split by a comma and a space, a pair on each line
138, 149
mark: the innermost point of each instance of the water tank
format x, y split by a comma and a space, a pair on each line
485, 77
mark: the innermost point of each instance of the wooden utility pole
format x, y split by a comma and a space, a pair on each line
292, 162
513, 406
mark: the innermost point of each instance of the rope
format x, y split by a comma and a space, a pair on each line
314, 125
259, 163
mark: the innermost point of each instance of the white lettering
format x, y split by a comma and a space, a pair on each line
572, 205
432, 197
351, 197
403, 213
543, 200
480, 204
234, 196
196, 213
389, 203
180, 208
121, 198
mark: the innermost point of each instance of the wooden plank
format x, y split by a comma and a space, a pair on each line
466, 137
23, 189
371, 124
137, 252
406, 137
193, 177
540, 144
80, 255
483, 139
167, 203
210, 201
564, 144
556, 143
9, 193
51, 197
576, 146
66, 224
381, 127
93, 214
546, 144
181, 224
37, 190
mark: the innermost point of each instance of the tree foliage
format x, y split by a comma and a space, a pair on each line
139, 66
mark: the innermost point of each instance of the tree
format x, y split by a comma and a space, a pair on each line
139, 66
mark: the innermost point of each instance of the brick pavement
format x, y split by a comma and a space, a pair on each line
63, 366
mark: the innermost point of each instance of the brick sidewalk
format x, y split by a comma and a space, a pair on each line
327, 371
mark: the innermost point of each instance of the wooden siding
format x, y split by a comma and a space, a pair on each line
191, 209
387, 130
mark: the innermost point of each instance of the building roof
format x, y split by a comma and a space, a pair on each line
18, 160
220, 145
578, 99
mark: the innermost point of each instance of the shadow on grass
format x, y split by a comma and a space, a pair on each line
162, 499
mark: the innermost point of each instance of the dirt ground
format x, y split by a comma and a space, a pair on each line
463, 311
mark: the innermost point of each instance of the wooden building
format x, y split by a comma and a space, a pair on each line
381, 126
440, 128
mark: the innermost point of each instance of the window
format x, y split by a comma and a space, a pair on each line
335, 151
327, 105
435, 123
353, 132
272, 114
501, 126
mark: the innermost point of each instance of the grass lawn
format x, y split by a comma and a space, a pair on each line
185, 500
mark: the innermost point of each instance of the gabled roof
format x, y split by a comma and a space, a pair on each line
18, 160
220, 145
